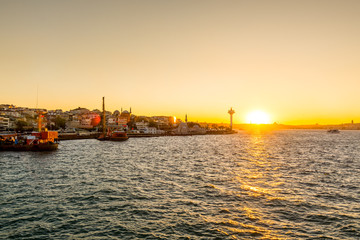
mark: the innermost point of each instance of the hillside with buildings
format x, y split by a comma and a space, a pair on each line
20, 119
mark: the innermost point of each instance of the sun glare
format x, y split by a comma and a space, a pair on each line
258, 117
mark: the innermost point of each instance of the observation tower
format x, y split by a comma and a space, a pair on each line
231, 112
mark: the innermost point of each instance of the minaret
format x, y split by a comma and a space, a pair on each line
231, 112
186, 118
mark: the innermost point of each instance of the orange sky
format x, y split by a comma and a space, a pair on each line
296, 60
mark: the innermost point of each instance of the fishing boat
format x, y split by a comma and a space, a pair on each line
111, 135
42, 140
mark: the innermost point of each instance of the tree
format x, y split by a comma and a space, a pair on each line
20, 125
152, 123
131, 124
60, 122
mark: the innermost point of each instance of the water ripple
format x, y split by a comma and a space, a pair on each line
278, 185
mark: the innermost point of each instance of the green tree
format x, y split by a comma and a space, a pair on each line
20, 125
131, 124
153, 124
60, 122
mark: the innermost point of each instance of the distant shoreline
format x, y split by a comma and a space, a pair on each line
345, 126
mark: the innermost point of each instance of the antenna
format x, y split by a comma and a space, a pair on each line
37, 95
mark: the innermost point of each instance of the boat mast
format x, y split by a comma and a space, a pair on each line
39, 121
104, 120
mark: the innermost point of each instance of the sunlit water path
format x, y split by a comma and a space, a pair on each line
278, 185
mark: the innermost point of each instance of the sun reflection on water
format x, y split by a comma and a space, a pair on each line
255, 179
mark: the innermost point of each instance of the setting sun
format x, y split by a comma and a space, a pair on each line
258, 117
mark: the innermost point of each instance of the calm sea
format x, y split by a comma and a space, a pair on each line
274, 185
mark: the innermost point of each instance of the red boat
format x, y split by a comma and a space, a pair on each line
116, 135
36, 141
42, 140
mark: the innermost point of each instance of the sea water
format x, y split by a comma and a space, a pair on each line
252, 185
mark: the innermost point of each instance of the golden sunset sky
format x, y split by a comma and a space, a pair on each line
298, 61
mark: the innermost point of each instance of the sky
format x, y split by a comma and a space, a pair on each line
298, 61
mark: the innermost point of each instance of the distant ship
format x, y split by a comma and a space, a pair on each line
42, 140
333, 131
116, 135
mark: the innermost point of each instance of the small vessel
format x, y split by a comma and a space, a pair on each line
333, 131
42, 140
115, 135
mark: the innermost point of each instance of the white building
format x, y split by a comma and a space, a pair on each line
85, 123
112, 121
151, 130
142, 126
4, 123
10, 113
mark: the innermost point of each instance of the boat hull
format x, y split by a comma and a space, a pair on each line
118, 139
35, 147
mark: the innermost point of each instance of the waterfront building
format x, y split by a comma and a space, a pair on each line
4, 123
125, 116
151, 130
85, 123
111, 121
142, 126
72, 124
182, 128
196, 129
164, 122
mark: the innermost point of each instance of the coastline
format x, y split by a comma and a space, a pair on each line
77, 136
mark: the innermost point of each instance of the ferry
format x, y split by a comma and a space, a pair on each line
36, 141
42, 140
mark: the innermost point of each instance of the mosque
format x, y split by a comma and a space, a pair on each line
184, 129
124, 117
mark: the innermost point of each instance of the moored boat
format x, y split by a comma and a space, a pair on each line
42, 140
36, 141
118, 136
114, 135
